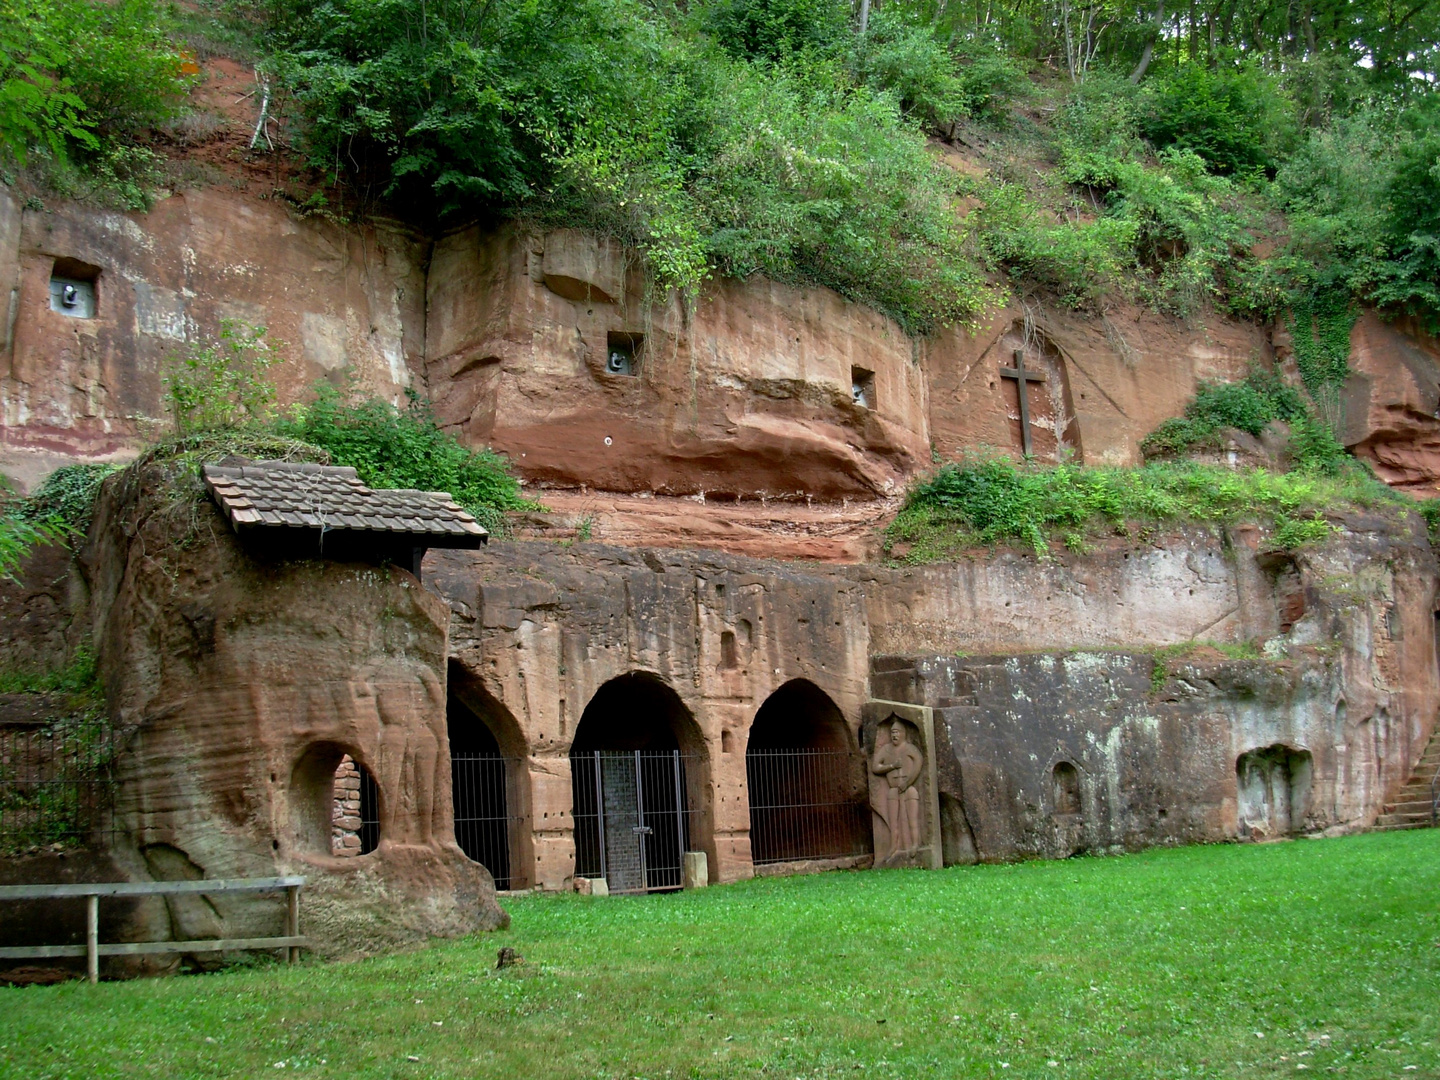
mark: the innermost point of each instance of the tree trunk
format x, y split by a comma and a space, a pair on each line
1139, 72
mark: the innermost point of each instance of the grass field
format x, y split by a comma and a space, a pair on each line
1232, 961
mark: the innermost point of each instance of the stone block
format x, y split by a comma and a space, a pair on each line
697, 870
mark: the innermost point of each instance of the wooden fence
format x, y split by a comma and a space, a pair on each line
92, 950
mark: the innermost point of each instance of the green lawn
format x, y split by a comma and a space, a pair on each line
1315, 956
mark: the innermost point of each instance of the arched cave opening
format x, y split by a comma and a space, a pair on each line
635, 766
806, 779
486, 777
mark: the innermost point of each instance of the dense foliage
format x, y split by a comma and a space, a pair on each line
80, 81
788, 137
750, 136
996, 501
404, 448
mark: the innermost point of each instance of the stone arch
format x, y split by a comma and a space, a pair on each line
314, 779
639, 781
1273, 791
489, 788
806, 779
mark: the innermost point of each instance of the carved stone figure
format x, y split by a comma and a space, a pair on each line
899, 762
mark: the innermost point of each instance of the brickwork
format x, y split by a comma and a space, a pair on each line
346, 833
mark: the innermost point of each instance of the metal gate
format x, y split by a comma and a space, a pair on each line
806, 804
632, 818
480, 787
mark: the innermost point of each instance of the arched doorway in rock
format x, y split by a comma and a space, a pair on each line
1273, 791
334, 802
487, 780
806, 780
637, 766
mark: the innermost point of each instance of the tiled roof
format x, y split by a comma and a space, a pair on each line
280, 494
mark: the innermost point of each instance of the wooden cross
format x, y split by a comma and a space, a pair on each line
1022, 375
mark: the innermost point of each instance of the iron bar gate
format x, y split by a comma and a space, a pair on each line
632, 818
481, 786
56, 785
807, 804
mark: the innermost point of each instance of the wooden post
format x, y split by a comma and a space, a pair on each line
292, 921
92, 937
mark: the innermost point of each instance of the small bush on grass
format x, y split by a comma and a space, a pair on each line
987, 502
405, 448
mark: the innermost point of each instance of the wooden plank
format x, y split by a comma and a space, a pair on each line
148, 888
140, 948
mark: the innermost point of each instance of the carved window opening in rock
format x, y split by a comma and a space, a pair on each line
1035, 382
356, 816
862, 387
1273, 791
729, 654
312, 798
806, 779
622, 353
74, 289
637, 769
487, 772
1065, 788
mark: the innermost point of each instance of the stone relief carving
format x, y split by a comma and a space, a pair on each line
899, 763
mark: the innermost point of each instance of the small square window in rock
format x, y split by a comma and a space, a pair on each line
622, 353
72, 288
862, 387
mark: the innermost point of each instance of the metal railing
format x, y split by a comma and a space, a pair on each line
484, 827
632, 818
56, 785
92, 950
806, 804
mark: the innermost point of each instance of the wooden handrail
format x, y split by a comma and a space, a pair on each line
92, 950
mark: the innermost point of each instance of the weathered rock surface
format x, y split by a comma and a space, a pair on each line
240, 684
1392, 403
1347, 677
348, 303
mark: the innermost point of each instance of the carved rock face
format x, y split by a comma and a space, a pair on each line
247, 687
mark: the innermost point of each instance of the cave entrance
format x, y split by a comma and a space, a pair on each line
636, 756
806, 778
487, 771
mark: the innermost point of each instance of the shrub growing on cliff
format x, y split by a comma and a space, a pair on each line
222, 382
405, 448
986, 502
599, 114
77, 76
